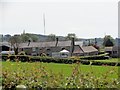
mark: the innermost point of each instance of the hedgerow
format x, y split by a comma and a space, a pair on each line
45, 59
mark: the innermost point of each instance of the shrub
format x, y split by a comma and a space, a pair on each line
4, 57
23, 58
21, 53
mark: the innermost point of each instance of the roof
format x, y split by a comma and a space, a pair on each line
108, 48
5, 44
64, 51
64, 43
80, 43
36, 44
45, 44
88, 49
77, 49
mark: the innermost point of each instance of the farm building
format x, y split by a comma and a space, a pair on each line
5, 46
85, 51
45, 47
89, 50
113, 51
54, 48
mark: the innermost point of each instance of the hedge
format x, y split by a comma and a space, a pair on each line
96, 57
24, 58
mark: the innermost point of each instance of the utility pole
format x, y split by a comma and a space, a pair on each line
44, 22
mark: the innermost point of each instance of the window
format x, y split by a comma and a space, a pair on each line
48, 49
114, 52
33, 49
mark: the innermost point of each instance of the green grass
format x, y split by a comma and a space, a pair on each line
66, 69
37, 74
109, 60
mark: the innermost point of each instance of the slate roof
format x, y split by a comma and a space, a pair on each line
77, 49
80, 43
5, 44
108, 48
88, 49
45, 44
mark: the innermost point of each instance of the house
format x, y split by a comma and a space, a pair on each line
78, 51
5, 46
89, 50
54, 48
108, 50
46, 47
117, 42
84, 51
113, 51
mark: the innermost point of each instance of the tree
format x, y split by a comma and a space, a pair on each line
7, 37
27, 36
108, 41
51, 37
34, 37
15, 41
70, 36
24, 38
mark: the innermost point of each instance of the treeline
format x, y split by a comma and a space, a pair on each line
25, 37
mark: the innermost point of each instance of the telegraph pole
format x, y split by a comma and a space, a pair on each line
44, 22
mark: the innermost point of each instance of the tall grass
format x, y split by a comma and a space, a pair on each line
44, 75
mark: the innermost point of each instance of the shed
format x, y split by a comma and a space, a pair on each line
89, 50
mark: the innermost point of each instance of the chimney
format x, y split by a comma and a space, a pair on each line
95, 41
56, 42
72, 45
89, 42
29, 42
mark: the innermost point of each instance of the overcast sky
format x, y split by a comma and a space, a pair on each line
85, 19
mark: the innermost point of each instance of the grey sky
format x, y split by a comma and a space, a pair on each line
85, 19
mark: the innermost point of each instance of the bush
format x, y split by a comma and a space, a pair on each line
21, 53
4, 57
23, 58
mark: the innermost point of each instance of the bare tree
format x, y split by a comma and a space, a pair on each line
15, 41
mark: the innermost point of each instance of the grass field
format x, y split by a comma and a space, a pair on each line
25, 71
109, 60
66, 69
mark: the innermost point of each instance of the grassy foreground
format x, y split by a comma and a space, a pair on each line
109, 60
54, 75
